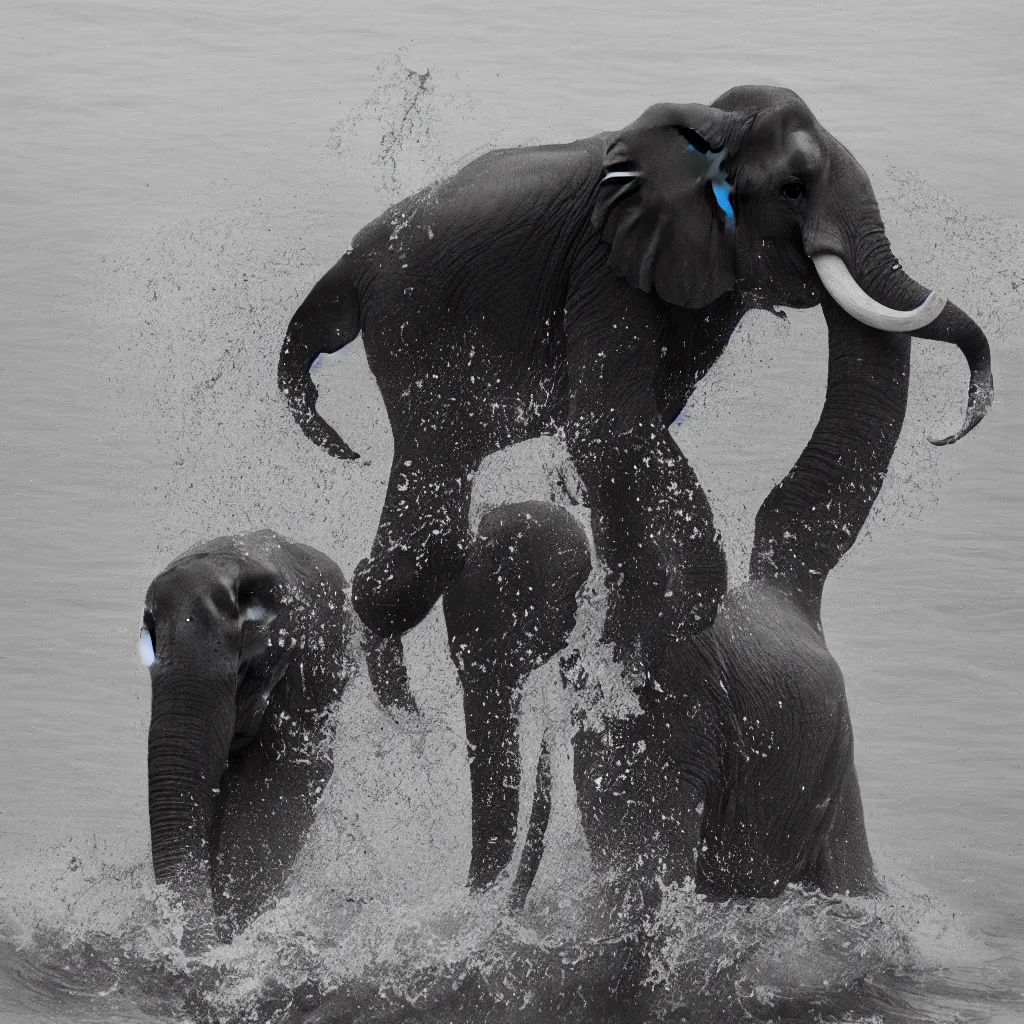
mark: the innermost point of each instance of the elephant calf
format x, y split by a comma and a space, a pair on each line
246, 639
511, 609
247, 643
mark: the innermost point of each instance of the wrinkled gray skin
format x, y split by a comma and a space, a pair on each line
248, 638
586, 288
739, 771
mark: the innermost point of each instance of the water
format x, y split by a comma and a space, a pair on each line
171, 183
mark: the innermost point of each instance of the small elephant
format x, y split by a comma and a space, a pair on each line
586, 288
510, 610
247, 643
738, 772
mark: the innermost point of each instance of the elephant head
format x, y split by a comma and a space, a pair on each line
753, 195
246, 643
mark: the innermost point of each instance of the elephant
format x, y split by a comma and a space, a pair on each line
247, 642
583, 289
509, 611
738, 771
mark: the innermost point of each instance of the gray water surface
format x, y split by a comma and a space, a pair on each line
173, 179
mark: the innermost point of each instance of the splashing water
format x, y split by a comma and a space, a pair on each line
416, 110
376, 923
102, 943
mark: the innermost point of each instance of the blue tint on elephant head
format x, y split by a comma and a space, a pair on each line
723, 195
720, 186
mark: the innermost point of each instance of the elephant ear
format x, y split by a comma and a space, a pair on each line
665, 204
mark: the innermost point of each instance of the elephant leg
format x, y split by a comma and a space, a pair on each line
652, 521
844, 864
418, 550
385, 664
536, 829
326, 321
495, 769
653, 528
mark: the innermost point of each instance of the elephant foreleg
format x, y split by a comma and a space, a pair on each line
418, 550
653, 528
652, 521
492, 733
487, 646
844, 862
385, 664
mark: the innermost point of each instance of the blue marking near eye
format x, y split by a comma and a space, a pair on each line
722, 189
723, 194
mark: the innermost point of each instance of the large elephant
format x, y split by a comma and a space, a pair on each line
247, 643
738, 772
586, 287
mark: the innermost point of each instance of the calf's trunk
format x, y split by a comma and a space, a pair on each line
188, 750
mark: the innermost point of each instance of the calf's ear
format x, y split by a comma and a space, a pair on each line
259, 596
665, 202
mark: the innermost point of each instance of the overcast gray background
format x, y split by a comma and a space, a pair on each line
173, 179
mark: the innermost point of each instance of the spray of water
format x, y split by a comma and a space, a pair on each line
376, 922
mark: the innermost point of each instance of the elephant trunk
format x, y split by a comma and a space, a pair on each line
884, 280
189, 740
857, 268
813, 516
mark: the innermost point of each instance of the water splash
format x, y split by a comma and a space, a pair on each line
363, 933
410, 115
457, 957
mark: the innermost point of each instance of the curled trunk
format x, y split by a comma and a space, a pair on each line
884, 280
845, 238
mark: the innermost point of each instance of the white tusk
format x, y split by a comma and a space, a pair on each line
839, 283
620, 174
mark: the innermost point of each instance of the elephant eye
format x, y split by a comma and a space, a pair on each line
253, 607
793, 189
